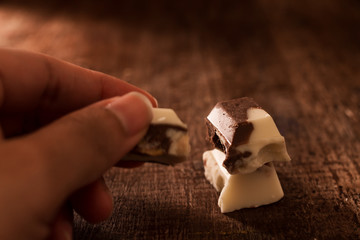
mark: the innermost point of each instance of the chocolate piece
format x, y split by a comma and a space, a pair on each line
239, 191
246, 134
228, 120
166, 140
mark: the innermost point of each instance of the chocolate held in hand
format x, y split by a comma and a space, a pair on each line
246, 134
166, 141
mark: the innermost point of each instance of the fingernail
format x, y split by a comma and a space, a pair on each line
134, 111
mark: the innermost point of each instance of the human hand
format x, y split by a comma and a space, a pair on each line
61, 128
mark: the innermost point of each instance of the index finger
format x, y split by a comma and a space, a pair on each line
31, 81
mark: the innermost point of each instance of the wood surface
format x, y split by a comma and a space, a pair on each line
300, 60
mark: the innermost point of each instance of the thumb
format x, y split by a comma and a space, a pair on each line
78, 148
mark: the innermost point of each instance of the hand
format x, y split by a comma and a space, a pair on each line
61, 128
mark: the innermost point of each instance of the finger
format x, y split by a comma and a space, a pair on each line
77, 149
62, 228
93, 202
52, 86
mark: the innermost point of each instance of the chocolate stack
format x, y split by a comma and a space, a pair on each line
246, 141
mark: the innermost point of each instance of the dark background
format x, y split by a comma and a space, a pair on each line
299, 60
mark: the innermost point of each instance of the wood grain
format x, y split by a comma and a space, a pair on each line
299, 60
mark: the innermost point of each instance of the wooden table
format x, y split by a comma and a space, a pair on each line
299, 60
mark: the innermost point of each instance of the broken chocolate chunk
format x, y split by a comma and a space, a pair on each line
166, 141
246, 134
228, 121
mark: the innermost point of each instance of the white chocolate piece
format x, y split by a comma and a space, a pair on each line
239, 191
179, 143
265, 143
179, 139
166, 116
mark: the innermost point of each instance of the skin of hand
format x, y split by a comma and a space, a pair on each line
61, 128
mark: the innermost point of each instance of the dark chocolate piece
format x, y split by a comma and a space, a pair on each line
228, 128
156, 141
